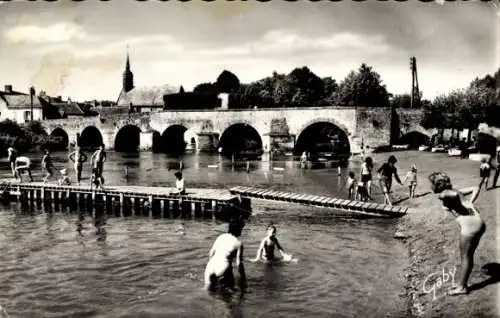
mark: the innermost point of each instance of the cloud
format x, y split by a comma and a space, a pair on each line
59, 32
284, 42
150, 43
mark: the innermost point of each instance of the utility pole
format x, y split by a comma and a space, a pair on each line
415, 92
32, 94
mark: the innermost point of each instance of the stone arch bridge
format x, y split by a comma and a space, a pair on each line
205, 128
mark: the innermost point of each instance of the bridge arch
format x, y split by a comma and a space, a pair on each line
90, 137
59, 138
323, 135
240, 139
414, 139
172, 139
128, 138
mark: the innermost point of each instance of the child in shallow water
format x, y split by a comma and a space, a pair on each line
411, 177
267, 246
351, 186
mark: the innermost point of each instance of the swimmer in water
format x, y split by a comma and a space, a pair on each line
267, 246
226, 249
471, 224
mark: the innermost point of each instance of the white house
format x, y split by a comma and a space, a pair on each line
17, 106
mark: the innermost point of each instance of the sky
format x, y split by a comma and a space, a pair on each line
78, 49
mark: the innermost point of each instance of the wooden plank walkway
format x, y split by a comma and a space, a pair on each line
156, 200
355, 207
203, 195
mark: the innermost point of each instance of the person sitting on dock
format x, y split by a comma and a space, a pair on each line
47, 165
64, 180
267, 246
78, 158
471, 224
226, 249
22, 164
180, 187
386, 172
96, 179
12, 156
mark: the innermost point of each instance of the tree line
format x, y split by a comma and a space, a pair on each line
463, 108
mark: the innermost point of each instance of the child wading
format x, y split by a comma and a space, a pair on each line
411, 176
351, 186
484, 173
267, 246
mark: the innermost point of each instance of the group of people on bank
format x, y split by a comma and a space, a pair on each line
362, 190
22, 164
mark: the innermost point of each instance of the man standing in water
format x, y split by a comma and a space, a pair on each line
226, 249
97, 161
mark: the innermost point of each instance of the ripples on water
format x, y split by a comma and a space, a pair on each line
140, 267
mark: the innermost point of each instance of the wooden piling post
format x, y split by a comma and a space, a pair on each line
214, 208
150, 209
132, 199
122, 201
162, 208
193, 209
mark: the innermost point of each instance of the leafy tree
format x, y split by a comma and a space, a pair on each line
401, 101
227, 82
204, 88
330, 89
363, 88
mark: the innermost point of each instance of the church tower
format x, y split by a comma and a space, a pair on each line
128, 77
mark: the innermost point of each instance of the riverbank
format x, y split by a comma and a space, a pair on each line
433, 242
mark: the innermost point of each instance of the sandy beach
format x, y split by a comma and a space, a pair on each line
433, 241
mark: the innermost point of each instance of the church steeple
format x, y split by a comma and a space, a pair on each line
128, 77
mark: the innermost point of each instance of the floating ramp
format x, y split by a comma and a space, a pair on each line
352, 207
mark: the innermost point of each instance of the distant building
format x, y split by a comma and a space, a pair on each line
62, 109
142, 99
17, 106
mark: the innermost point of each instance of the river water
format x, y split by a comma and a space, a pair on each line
141, 267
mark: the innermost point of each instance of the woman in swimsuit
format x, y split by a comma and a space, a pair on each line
469, 219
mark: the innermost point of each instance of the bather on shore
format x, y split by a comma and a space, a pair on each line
386, 172
468, 217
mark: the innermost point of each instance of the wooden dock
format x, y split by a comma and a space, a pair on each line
351, 207
131, 200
